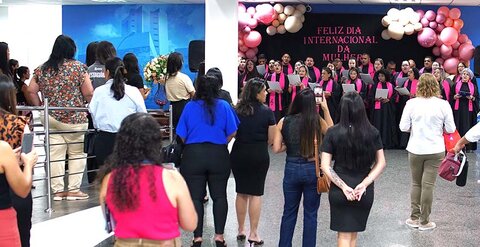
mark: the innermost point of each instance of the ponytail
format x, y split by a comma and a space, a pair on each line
118, 85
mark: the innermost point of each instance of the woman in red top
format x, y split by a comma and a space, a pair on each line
148, 201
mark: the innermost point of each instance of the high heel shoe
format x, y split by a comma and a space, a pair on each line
256, 243
241, 237
219, 243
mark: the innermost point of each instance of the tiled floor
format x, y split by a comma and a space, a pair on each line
456, 210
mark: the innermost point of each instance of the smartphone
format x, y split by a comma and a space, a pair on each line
27, 142
318, 91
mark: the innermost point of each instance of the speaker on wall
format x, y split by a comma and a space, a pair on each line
476, 61
196, 54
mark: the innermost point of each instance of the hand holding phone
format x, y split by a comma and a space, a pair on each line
318, 91
27, 142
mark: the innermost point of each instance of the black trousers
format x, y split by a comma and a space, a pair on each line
207, 163
103, 147
23, 206
177, 109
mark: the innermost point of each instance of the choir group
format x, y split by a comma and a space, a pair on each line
384, 107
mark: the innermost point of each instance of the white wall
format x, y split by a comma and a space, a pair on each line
30, 31
221, 40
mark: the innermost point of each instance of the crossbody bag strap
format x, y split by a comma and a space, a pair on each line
317, 161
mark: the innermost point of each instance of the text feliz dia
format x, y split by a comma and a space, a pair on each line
339, 30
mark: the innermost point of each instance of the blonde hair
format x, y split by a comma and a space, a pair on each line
428, 86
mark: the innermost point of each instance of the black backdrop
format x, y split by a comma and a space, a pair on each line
367, 26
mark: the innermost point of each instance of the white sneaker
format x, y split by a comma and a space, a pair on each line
412, 223
429, 226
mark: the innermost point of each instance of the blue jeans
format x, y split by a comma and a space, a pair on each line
299, 178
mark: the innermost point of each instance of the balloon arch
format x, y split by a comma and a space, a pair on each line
440, 30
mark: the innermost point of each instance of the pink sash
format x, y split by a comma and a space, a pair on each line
358, 84
400, 75
457, 89
329, 87
281, 81
413, 87
317, 74
290, 69
294, 89
378, 104
371, 70
446, 89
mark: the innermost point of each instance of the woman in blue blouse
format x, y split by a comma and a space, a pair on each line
206, 126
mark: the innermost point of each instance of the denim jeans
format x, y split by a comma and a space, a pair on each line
299, 178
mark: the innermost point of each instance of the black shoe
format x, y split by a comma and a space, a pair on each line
219, 243
255, 243
241, 237
196, 243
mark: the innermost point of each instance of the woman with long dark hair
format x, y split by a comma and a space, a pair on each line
332, 91
356, 147
91, 53
104, 51
133, 74
65, 82
22, 74
298, 132
354, 78
110, 104
249, 156
4, 58
148, 202
206, 126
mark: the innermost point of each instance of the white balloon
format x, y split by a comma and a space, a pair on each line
302, 8
302, 18
281, 29
409, 10
282, 17
394, 14
404, 19
288, 10
414, 17
275, 23
409, 29
386, 20
395, 30
293, 24
297, 13
418, 27
385, 35
271, 30
278, 8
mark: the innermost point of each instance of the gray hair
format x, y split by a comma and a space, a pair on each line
469, 71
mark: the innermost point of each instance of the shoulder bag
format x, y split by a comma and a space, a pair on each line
323, 183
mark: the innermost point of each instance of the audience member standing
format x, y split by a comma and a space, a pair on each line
111, 103
91, 53
96, 71
147, 201
426, 117
298, 130
465, 104
133, 74
65, 82
249, 156
178, 86
357, 149
206, 126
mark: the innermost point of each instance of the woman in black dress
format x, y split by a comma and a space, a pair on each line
249, 156
355, 145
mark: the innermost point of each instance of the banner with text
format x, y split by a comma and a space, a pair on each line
328, 36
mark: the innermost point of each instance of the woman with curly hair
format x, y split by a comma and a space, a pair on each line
148, 202
206, 126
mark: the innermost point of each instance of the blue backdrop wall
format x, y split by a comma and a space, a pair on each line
146, 30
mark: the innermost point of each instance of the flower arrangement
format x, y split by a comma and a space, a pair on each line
156, 69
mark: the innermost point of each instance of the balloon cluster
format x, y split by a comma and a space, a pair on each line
278, 18
442, 31
400, 22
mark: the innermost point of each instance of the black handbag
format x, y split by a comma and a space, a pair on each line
89, 142
172, 153
462, 177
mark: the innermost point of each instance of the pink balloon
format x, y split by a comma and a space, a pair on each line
436, 51
250, 53
462, 38
243, 20
440, 18
439, 60
443, 11
252, 23
240, 41
251, 11
252, 39
450, 65
247, 29
433, 24
243, 48
241, 8
430, 15
241, 54
449, 35
446, 50
438, 43
466, 51
456, 45
440, 28
265, 13
255, 49
455, 53
420, 12
468, 42
455, 13
444, 56
427, 37
424, 22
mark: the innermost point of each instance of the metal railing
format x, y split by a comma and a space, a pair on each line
47, 132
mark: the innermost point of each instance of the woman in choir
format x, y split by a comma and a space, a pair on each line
332, 68
382, 115
352, 63
378, 64
304, 78
276, 98
331, 90
354, 78
270, 69
250, 72
402, 74
439, 74
465, 106
435, 65
458, 77
411, 86
297, 66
